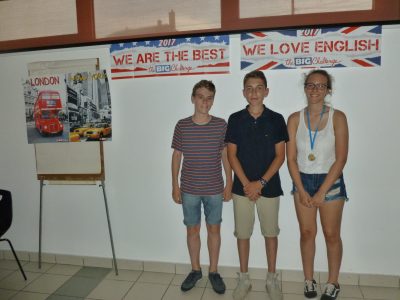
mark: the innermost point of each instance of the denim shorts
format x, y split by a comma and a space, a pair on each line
312, 183
212, 205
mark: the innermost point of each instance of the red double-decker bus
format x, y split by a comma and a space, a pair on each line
47, 107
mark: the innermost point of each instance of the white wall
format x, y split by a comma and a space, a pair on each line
147, 225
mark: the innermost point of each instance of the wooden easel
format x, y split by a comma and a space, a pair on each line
49, 168
69, 163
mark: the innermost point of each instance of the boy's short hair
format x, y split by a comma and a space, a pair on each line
255, 74
208, 84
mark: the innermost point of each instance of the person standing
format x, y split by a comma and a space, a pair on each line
316, 155
256, 138
199, 140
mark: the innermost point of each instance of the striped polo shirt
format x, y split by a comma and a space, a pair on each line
202, 147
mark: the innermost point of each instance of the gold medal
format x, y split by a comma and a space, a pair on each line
311, 156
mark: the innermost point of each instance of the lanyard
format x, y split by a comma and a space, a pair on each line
312, 138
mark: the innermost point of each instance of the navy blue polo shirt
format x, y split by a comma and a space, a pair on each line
255, 140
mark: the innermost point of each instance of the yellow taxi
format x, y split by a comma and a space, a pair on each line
81, 130
98, 132
74, 137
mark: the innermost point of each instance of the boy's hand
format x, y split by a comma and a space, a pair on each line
252, 190
227, 193
176, 195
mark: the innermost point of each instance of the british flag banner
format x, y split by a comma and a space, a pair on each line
356, 46
170, 57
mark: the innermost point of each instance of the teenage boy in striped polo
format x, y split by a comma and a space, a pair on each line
199, 140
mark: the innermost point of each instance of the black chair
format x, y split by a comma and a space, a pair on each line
6, 216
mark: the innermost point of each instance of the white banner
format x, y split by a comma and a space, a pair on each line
358, 46
170, 57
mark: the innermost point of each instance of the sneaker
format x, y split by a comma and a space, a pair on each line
191, 280
217, 282
331, 292
310, 289
243, 287
272, 286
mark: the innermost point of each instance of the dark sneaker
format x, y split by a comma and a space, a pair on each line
191, 280
331, 292
217, 282
310, 289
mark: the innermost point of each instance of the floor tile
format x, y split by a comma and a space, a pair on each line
209, 294
6, 294
154, 277
230, 283
129, 265
30, 296
10, 264
179, 278
93, 272
47, 283
174, 293
258, 296
345, 298
34, 267
4, 273
289, 287
350, 291
146, 291
257, 285
370, 292
126, 275
72, 282
160, 267
98, 262
15, 281
64, 269
60, 297
77, 287
293, 297
110, 290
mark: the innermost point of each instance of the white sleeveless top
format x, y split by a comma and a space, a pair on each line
324, 146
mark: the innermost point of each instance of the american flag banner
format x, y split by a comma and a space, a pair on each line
170, 57
356, 46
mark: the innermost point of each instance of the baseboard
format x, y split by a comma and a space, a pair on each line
180, 268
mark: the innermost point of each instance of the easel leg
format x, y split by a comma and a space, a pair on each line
40, 224
109, 227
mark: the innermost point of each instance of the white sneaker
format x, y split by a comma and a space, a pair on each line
273, 288
243, 287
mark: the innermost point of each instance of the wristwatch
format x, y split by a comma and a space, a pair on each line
263, 182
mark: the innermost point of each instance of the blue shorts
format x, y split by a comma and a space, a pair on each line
191, 205
312, 183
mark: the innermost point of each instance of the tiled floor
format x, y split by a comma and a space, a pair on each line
70, 282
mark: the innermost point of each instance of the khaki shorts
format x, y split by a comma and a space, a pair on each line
267, 210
